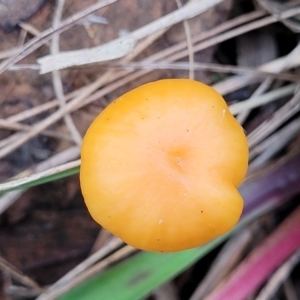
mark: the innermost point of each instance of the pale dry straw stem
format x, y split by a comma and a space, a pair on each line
224, 26
238, 21
46, 35
27, 179
18, 126
21, 67
58, 159
29, 113
93, 270
103, 52
8, 199
289, 289
10, 139
286, 63
111, 246
226, 260
228, 85
271, 145
235, 82
144, 44
263, 99
155, 57
68, 107
280, 138
27, 28
203, 66
214, 67
21, 38
241, 117
122, 46
32, 30
278, 118
54, 117
210, 38
279, 276
189, 44
6, 267
239, 81
8, 53
56, 78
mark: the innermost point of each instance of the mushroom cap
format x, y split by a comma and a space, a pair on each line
161, 164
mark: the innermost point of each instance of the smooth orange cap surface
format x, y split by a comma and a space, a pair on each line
160, 166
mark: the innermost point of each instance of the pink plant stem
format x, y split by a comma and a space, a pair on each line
261, 262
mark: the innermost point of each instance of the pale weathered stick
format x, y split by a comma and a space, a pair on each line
124, 45
37, 176
46, 35
56, 78
56, 160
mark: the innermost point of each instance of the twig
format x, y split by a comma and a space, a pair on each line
203, 66
287, 132
58, 159
273, 144
280, 275
56, 78
45, 36
262, 99
267, 82
86, 269
123, 45
19, 182
290, 290
31, 29
5, 266
157, 56
278, 118
227, 259
239, 82
241, 117
189, 43
87, 91
18, 126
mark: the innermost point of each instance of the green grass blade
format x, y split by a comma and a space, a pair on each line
136, 277
45, 179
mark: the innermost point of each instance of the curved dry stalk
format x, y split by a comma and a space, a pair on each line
56, 78
18, 126
189, 44
203, 66
278, 118
155, 57
21, 181
46, 35
257, 101
122, 46
273, 144
277, 140
5, 266
279, 276
56, 160
87, 273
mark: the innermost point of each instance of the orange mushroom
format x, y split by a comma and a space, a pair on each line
160, 166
